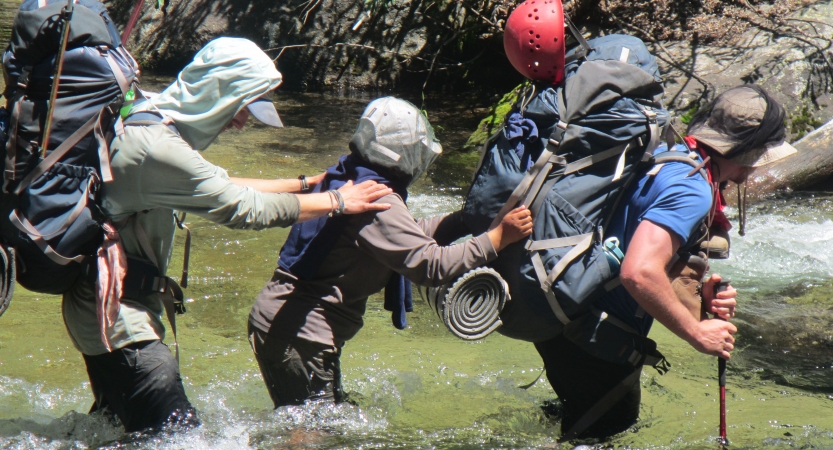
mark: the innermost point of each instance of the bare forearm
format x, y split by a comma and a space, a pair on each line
272, 186
653, 292
315, 205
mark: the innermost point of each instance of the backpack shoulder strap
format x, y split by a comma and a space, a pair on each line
677, 156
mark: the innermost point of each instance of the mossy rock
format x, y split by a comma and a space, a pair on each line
455, 169
813, 295
494, 120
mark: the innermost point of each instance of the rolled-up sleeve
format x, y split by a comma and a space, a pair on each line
179, 178
445, 229
398, 242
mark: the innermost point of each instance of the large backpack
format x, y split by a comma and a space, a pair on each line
48, 212
597, 133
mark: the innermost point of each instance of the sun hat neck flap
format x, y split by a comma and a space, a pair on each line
395, 135
224, 77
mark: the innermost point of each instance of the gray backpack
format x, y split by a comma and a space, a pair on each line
596, 134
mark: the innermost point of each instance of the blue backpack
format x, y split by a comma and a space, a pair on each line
569, 153
48, 210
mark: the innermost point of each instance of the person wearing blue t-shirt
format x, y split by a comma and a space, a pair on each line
741, 130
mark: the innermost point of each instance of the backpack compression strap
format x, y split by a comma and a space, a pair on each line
39, 239
580, 243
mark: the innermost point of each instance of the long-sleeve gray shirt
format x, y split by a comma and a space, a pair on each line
154, 173
329, 309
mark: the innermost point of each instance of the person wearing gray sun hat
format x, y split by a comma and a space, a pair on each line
157, 170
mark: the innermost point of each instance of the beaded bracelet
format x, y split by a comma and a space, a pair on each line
333, 203
340, 200
336, 203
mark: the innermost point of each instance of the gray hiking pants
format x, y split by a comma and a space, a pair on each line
297, 370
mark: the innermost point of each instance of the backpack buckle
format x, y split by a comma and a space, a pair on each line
23, 79
157, 284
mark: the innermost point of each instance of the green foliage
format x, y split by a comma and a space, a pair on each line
802, 122
686, 118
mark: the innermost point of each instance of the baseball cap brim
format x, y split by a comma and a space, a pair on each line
264, 110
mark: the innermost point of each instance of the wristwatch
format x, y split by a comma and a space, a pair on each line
304, 185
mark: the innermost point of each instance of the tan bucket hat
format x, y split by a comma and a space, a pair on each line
737, 110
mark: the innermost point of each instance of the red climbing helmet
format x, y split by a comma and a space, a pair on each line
534, 40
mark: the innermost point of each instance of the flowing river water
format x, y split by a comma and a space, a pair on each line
421, 387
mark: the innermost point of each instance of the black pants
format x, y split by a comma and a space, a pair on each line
140, 383
581, 380
297, 370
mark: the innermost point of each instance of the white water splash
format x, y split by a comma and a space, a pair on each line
779, 250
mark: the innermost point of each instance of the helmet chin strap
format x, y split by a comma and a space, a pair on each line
585, 47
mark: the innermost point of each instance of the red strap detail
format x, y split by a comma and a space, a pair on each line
720, 218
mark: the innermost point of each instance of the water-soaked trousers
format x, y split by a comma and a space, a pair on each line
140, 383
296, 370
581, 380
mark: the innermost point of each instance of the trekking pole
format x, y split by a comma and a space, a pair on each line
134, 17
66, 16
721, 286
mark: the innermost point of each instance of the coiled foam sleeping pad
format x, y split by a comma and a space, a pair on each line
8, 274
470, 307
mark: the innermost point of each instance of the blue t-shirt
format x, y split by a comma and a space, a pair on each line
677, 202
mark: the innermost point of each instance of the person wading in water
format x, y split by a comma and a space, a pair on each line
156, 171
315, 301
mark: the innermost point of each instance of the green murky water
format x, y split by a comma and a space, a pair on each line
421, 387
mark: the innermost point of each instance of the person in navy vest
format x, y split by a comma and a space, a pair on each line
328, 267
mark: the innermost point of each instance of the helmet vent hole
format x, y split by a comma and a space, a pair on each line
536, 17
537, 36
535, 10
531, 51
531, 41
555, 39
531, 32
530, 15
538, 46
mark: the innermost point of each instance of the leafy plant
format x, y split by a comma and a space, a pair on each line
688, 115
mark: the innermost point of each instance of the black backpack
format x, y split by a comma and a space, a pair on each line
48, 212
